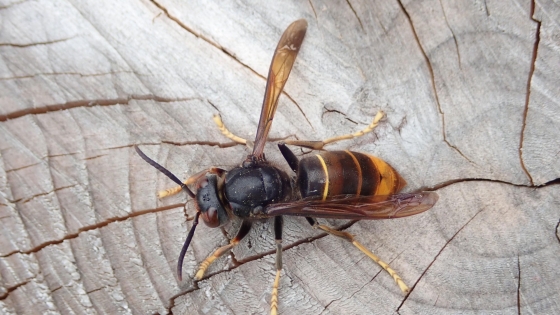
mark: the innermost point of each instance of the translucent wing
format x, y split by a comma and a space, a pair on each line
280, 67
357, 207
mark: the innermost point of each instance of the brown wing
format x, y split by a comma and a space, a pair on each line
280, 67
358, 207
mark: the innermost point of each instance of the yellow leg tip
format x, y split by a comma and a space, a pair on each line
210, 259
203, 267
274, 297
404, 288
398, 280
199, 275
349, 237
218, 121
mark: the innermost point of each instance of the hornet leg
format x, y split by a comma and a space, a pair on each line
243, 231
349, 237
218, 121
318, 145
278, 223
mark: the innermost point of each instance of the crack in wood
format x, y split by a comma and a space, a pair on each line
12, 4
215, 107
65, 73
528, 93
401, 125
23, 167
94, 157
56, 289
25, 200
332, 301
453, 34
558, 231
88, 103
355, 14
301, 111
455, 181
95, 290
11, 289
432, 80
327, 111
363, 286
174, 297
89, 228
313, 9
486, 8
436, 257
518, 286
36, 43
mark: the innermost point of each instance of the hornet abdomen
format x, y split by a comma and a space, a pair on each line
332, 173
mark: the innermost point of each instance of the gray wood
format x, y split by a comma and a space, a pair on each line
471, 92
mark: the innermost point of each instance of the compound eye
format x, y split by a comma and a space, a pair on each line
210, 217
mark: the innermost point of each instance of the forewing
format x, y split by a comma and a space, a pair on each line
358, 207
280, 67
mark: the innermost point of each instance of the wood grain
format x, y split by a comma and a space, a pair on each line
471, 92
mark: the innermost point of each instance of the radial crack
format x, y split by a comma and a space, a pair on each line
437, 255
36, 43
89, 228
433, 81
87, 103
11, 289
528, 94
461, 180
22, 167
313, 9
558, 231
355, 14
331, 302
453, 34
63, 73
518, 286
300, 110
173, 298
12, 4
43, 194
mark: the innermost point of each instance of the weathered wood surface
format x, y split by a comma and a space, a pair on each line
472, 96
